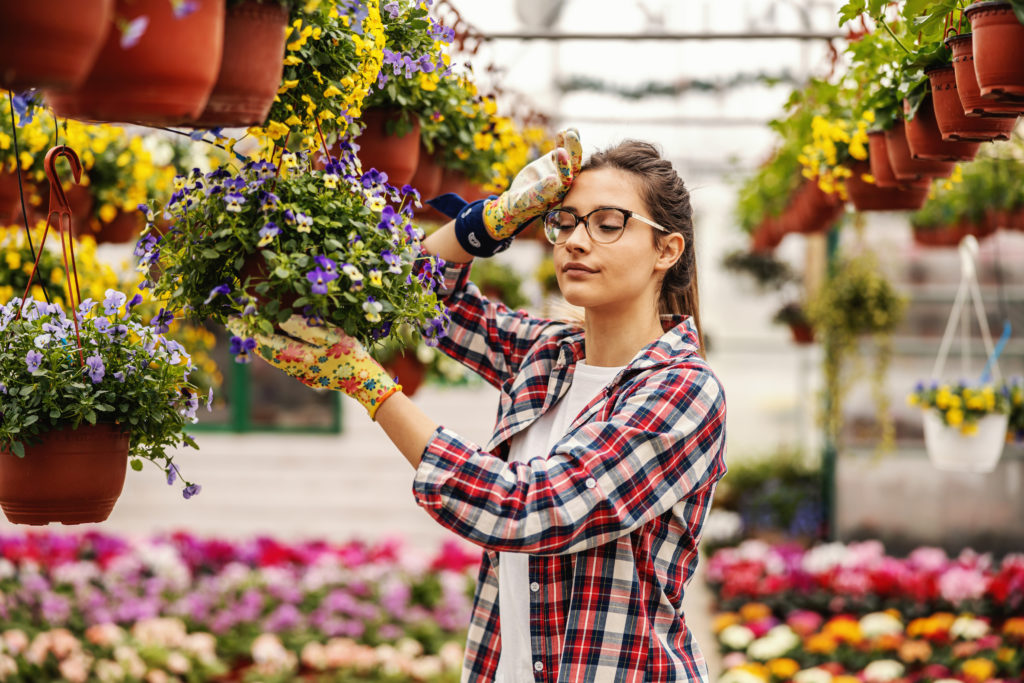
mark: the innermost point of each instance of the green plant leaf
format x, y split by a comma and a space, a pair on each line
136, 464
18, 448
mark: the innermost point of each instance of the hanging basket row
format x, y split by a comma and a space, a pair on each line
214, 66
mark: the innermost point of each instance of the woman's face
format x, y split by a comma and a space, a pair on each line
614, 277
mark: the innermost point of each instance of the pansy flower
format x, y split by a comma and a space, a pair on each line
354, 275
267, 233
268, 200
320, 278
234, 202
303, 222
216, 291
372, 309
375, 277
96, 370
326, 264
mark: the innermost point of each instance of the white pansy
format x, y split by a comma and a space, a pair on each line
880, 624
812, 675
736, 637
968, 628
882, 670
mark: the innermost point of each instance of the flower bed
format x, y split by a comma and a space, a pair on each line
88, 606
852, 614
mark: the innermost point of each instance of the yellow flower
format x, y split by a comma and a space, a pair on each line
955, 417
783, 667
979, 669
332, 91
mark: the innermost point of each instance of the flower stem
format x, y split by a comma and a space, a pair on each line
889, 30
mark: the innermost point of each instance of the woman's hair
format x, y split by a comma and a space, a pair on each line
668, 200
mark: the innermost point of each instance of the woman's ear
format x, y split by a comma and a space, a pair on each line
670, 251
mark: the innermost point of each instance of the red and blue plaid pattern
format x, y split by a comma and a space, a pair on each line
611, 518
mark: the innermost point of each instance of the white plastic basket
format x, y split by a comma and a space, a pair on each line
950, 450
947, 448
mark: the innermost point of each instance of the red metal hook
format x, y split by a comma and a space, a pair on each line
59, 207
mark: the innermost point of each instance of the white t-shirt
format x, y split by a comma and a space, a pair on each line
515, 664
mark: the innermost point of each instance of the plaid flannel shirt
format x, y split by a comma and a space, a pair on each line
611, 518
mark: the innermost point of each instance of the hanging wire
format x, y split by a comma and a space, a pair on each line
21, 191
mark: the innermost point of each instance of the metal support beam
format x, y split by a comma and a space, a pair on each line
548, 35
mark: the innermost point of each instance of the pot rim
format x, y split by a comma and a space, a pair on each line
986, 4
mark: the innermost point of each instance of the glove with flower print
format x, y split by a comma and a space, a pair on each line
487, 226
324, 358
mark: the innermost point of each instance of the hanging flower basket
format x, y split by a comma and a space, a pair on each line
812, 210
878, 158
967, 88
904, 166
396, 155
72, 476
954, 124
925, 139
50, 44
331, 245
867, 196
998, 50
251, 68
166, 78
948, 448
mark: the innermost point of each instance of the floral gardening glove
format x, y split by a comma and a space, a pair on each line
487, 226
324, 358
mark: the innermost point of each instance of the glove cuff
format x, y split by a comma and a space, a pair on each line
472, 234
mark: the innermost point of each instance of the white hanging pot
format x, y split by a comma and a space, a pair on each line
950, 450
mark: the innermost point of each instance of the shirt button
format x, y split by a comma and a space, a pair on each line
591, 483
535, 586
538, 666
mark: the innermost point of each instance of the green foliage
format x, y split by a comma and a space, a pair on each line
330, 244
768, 271
499, 280
856, 301
133, 376
990, 182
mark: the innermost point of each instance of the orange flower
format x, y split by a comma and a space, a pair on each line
759, 670
978, 669
965, 649
752, 611
821, 643
887, 641
724, 619
1014, 628
784, 667
844, 629
846, 678
915, 651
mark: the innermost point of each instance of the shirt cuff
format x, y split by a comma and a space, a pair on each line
444, 454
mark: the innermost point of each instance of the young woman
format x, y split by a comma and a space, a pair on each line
590, 498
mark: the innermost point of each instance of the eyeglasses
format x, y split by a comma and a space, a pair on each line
609, 223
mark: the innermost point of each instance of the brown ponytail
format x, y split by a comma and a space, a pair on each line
668, 201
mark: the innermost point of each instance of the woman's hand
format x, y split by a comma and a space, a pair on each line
485, 227
540, 186
324, 358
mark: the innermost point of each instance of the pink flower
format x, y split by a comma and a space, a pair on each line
929, 559
804, 622
958, 584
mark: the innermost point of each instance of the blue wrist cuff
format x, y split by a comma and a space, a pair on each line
450, 204
472, 234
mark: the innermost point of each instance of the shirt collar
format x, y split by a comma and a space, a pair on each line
679, 340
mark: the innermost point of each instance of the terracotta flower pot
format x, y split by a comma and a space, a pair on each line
925, 139
802, 333
998, 49
72, 476
409, 370
904, 166
878, 158
867, 196
250, 71
10, 199
427, 178
164, 79
397, 156
50, 44
767, 235
254, 268
954, 124
80, 201
967, 82
811, 209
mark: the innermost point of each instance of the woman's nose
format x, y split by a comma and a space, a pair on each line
579, 238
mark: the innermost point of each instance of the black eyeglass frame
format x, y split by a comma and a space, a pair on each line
627, 213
